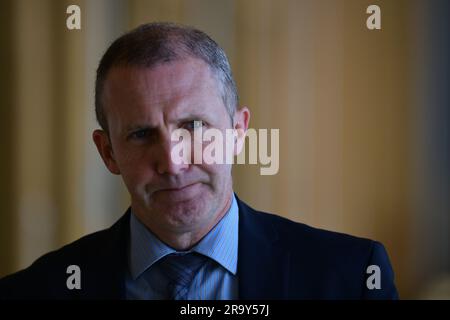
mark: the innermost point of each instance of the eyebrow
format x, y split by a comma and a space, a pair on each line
192, 117
134, 127
195, 114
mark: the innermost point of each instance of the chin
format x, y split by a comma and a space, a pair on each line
187, 213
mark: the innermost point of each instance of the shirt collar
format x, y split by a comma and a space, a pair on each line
220, 244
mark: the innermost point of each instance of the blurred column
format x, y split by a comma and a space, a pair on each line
289, 65
33, 134
430, 141
68, 120
8, 223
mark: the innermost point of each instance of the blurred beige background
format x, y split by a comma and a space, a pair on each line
363, 118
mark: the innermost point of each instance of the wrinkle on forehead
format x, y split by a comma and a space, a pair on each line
173, 89
160, 80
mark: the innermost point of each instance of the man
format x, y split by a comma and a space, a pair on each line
187, 235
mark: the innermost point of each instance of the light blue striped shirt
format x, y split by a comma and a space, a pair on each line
216, 279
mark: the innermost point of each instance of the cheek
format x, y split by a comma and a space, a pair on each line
135, 167
129, 156
219, 174
216, 147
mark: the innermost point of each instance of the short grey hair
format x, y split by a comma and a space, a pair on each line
156, 43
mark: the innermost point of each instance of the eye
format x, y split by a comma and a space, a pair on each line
194, 124
139, 134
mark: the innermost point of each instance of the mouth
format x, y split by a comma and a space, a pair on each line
181, 188
184, 193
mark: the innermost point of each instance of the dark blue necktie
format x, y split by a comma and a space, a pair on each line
180, 269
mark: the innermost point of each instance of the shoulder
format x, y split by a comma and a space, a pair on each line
326, 264
46, 277
323, 246
293, 235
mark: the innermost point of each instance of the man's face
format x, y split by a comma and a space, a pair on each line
143, 107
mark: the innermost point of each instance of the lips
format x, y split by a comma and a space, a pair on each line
184, 193
180, 188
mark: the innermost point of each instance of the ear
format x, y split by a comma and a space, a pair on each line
241, 120
102, 141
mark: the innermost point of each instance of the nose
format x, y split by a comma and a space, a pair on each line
164, 162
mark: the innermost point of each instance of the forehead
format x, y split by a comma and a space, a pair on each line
174, 87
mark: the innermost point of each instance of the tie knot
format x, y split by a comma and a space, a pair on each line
180, 269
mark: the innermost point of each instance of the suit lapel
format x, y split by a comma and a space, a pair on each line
263, 267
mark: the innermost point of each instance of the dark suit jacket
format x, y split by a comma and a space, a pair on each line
277, 259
